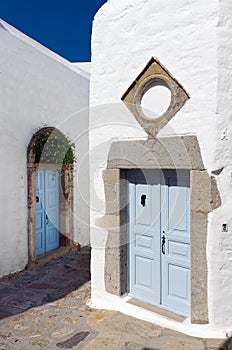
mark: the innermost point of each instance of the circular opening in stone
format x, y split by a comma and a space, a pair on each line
156, 101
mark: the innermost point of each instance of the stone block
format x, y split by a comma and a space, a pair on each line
109, 221
215, 195
200, 191
111, 176
156, 153
112, 198
115, 186
115, 265
199, 298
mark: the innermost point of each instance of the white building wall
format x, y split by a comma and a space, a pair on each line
192, 40
37, 88
220, 243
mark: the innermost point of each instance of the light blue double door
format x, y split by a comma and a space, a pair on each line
159, 238
47, 211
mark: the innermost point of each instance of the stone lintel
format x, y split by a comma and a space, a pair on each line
156, 153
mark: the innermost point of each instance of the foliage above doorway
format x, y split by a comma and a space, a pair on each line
52, 147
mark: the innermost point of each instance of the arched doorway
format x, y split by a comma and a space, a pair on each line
50, 160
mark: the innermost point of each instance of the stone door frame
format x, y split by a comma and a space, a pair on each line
170, 153
65, 199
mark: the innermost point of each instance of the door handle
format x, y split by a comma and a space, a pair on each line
163, 244
46, 219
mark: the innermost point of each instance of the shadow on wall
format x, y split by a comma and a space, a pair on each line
227, 345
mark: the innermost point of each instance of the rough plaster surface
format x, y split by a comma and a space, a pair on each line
37, 89
193, 41
219, 243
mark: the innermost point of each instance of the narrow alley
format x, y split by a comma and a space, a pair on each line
45, 308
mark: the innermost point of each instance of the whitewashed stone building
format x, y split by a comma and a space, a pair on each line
150, 188
41, 94
161, 185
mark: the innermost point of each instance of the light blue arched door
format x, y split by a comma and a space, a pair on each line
159, 238
47, 211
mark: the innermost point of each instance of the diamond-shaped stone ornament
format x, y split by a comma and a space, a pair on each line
154, 74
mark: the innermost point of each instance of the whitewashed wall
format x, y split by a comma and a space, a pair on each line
37, 88
193, 40
219, 243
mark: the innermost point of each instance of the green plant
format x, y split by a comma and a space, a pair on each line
52, 147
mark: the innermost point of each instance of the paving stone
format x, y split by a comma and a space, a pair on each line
33, 333
126, 324
6, 335
4, 346
37, 312
131, 342
177, 345
62, 332
71, 342
71, 320
41, 343
20, 327
98, 317
104, 342
19, 318
49, 324
132, 346
66, 305
70, 295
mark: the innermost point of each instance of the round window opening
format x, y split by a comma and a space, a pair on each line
156, 101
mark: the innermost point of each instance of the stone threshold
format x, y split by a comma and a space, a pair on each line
57, 253
162, 312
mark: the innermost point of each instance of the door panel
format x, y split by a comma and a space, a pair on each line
175, 222
47, 211
40, 213
144, 236
143, 268
52, 209
178, 282
144, 242
178, 250
159, 213
143, 205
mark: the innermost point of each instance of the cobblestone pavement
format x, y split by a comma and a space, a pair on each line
45, 307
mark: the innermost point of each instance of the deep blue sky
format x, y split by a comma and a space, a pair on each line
64, 26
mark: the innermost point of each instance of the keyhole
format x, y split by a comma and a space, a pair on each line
143, 200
